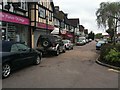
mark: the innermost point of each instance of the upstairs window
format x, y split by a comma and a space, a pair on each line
50, 16
23, 4
42, 12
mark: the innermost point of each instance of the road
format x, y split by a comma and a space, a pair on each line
74, 69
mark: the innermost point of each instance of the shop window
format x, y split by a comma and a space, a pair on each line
42, 12
50, 16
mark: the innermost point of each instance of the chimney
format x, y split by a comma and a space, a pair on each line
57, 8
66, 14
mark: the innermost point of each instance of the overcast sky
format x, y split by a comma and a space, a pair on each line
84, 10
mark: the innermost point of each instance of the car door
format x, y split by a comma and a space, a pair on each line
16, 57
26, 54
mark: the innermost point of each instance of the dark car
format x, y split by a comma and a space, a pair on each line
50, 44
16, 55
99, 44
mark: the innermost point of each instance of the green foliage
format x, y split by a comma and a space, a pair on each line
110, 54
91, 35
107, 13
99, 36
110, 32
113, 55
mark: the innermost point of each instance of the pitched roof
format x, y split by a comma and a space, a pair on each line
74, 21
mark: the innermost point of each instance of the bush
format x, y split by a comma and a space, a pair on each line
113, 55
104, 50
110, 54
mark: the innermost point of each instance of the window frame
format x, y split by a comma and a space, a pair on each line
50, 16
41, 11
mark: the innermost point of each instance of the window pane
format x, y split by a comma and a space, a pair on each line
41, 12
50, 16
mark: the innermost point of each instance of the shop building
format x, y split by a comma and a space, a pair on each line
75, 25
41, 15
62, 25
14, 22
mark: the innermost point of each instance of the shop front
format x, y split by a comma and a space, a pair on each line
41, 29
14, 27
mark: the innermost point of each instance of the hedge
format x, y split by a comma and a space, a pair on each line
110, 54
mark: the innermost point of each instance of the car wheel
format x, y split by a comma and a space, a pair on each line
57, 52
64, 50
6, 70
38, 60
72, 48
45, 43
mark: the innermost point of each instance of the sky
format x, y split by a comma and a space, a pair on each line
84, 10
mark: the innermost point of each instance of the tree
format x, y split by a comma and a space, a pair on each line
108, 16
98, 36
91, 35
111, 33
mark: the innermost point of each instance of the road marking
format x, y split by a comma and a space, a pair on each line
114, 70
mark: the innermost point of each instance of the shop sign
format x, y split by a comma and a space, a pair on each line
44, 26
13, 18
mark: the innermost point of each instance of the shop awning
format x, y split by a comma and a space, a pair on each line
55, 31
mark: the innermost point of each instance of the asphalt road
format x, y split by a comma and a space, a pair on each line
74, 69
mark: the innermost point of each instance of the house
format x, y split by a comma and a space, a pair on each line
61, 24
57, 20
41, 17
75, 24
14, 21
82, 28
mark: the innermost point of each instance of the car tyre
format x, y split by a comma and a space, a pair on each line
38, 60
45, 43
57, 52
6, 70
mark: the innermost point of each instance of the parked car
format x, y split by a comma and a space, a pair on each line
16, 55
51, 43
87, 41
80, 42
68, 44
83, 39
117, 40
99, 44
90, 40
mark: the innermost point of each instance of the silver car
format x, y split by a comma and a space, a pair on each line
68, 44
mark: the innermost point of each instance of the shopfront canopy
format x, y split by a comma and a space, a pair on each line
55, 31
